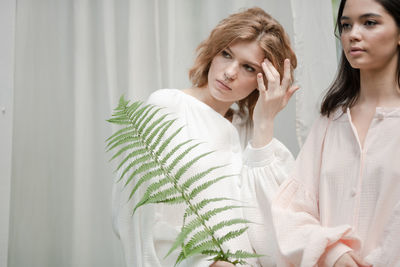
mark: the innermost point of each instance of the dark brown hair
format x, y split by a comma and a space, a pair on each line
345, 89
253, 24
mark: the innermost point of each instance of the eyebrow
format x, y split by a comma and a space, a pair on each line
363, 16
246, 61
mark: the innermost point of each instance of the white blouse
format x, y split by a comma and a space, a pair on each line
149, 233
342, 197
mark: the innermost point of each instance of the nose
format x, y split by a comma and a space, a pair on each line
355, 34
231, 71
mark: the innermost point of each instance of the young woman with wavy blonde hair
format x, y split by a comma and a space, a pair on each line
247, 60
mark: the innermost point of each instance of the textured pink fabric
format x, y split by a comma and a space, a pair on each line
341, 197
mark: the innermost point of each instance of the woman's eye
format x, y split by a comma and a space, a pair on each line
225, 54
248, 68
346, 26
370, 23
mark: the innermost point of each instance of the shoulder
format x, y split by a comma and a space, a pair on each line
165, 97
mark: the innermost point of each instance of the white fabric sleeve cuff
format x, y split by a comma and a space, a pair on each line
261, 156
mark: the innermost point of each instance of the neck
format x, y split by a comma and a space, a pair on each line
380, 87
203, 94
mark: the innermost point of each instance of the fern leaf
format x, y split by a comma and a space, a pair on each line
149, 175
197, 239
211, 213
153, 132
125, 148
155, 186
185, 167
198, 176
130, 110
119, 121
158, 197
146, 121
133, 155
160, 136
240, 254
168, 141
207, 245
150, 128
121, 141
186, 230
139, 118
203, 203
133, 163
174, 150
173, 200
120, 131
232, 235
181, 156
126, 134
226, 223
144, 168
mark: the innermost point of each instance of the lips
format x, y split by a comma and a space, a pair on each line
356, 50
222, 85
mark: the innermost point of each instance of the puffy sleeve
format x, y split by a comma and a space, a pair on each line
387, 253
302, 239
264, 169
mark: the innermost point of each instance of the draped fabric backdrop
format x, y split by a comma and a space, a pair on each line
73, 60
7, 26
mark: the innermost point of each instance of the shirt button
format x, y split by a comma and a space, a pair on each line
353, 192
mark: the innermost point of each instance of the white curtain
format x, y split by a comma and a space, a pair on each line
73, 60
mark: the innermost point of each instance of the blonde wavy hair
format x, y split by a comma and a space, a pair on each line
253, 24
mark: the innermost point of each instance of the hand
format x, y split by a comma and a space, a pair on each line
350, 259
271, 100
222, 264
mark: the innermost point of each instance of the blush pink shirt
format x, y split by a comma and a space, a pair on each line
341, 197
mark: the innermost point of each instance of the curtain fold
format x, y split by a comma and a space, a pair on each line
74, 59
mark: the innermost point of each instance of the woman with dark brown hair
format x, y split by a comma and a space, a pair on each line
341, 206
241, 79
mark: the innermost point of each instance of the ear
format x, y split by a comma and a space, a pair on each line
398, 43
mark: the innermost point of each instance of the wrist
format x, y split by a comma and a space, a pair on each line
262, 135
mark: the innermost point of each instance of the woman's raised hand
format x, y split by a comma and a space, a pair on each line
272, 99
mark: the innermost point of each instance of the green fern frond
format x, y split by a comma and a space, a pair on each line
232, 235
173, 200
189, 210
119, 132
181, 156
198, 176
149, 160
160, 136
239, 254
174, 150
125, 149
158, 197
228, 223
135, 158
121, 140
145, 178
185, 167
207, 245
168, 141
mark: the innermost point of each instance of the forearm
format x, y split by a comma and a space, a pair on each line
263, 133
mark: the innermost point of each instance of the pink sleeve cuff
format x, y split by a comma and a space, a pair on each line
333, 253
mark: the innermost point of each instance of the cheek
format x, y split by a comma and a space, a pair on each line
249, 86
